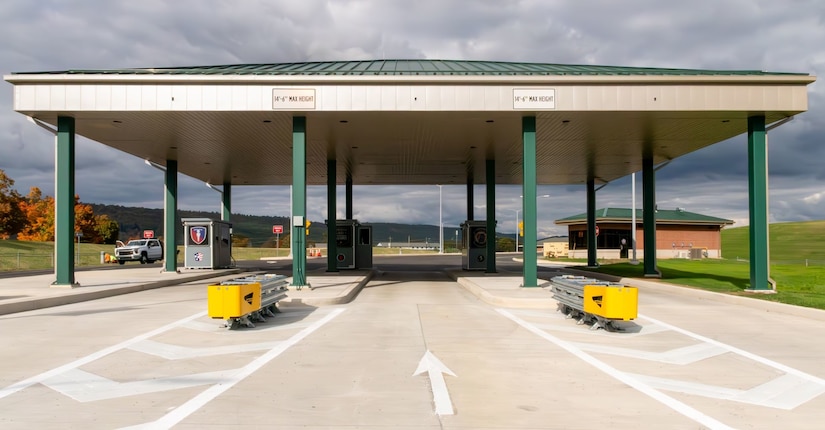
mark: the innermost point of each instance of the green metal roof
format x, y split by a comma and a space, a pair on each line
417, 67
667, 216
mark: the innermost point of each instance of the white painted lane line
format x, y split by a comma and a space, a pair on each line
176, 352
435, 370
87, 387
786, 392
188, 408
778, 366
11, 389
672, 403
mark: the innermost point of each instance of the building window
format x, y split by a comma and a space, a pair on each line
607, 239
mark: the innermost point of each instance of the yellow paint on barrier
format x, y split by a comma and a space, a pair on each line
613, 302
233, 301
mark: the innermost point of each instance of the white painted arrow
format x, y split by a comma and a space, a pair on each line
435, 370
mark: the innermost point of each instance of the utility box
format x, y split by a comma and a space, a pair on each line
353, 244
363, 247
207, 243
474, 245
345, 243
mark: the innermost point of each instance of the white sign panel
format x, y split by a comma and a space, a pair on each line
534, 98
293, 98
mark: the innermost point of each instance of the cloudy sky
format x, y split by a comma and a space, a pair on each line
777, 36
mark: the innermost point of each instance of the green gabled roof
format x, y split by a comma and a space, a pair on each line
417, 67
678, 216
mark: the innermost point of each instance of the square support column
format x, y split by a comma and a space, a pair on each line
299, 199
64, 234
348, 196
226, 201
530, 269
491, 215
758, 204
649, 216
470, 208
332, 207
170, 210
592, 244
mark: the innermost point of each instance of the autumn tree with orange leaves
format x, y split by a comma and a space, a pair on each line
12, 219
39, 212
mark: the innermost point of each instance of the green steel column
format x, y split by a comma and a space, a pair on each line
470, 208
299, 205
592, 246
758, 203
332, 207
170, 210
348, 196
649, 216
226, 202
64, 203
528, 127
491, 216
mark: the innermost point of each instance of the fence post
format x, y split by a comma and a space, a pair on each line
18, 260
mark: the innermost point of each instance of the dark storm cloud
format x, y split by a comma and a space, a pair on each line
731, 34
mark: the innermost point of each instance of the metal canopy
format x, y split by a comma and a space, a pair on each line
408, 121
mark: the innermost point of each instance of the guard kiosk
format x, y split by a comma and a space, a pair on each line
474, 241
207, 243
353, 242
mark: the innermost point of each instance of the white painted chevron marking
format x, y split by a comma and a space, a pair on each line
219, 328
176, 352
181, 412
562, 324
11, 389
636, 383
88, 387
785, 392
686, 355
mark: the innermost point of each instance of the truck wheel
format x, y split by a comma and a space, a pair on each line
121, 262
143, 259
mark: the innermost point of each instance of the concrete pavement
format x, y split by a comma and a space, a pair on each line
25, 293
691, 359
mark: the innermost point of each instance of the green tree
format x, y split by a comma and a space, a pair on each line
505, 244
107, 229
12, 218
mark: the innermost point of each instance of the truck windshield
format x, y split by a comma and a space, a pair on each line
136, 243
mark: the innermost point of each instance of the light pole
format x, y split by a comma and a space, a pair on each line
543, 196
517, 211
440, 223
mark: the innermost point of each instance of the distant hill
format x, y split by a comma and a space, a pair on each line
789, 241
258, 229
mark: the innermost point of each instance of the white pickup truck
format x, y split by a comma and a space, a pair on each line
143, 250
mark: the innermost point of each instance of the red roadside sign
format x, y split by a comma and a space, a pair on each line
148, 234
277, 229
597, 230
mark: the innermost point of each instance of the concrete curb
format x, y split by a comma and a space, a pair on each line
29, 304
682, 290
505, 302
349, 294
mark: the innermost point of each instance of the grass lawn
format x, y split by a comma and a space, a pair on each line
796, 284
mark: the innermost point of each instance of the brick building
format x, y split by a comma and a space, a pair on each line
679, 234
